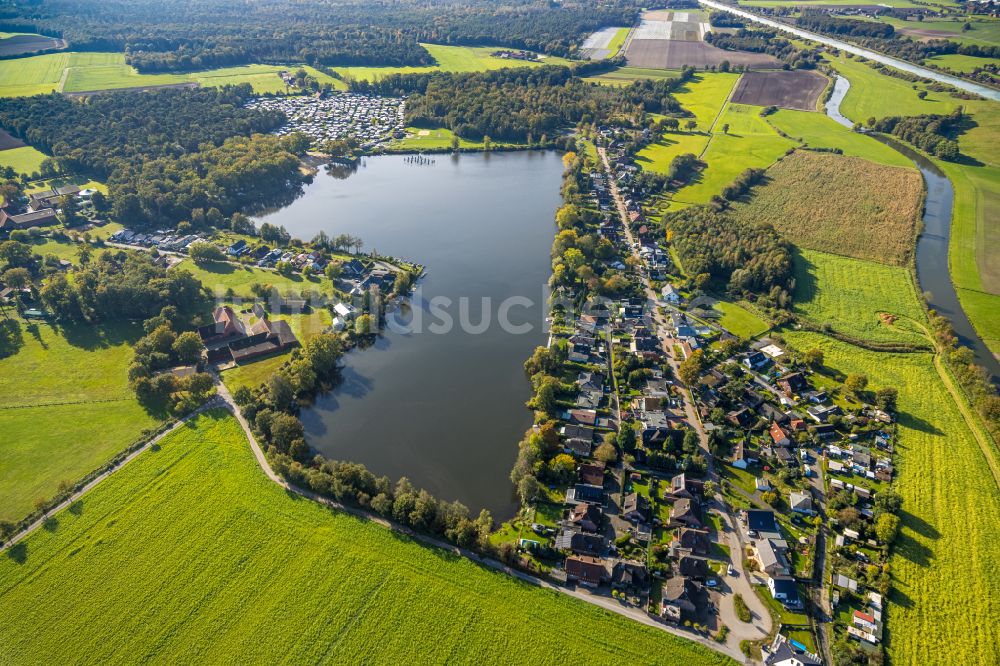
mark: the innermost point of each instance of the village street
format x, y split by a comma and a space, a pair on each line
740, 584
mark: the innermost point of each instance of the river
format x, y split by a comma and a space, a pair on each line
444, 409
961, 84
932, 245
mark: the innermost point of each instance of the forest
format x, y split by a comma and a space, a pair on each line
750, 259
521, 104
823, 22
168, 154
932, 133
199, 34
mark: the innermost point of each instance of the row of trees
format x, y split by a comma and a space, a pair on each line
766, 41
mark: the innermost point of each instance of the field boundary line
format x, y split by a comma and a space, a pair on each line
93, 483
69, 402
62, 79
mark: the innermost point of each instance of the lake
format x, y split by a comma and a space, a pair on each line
445, 409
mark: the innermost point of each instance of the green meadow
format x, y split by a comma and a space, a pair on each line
65, 407
190, 554
750, 142
961, 63
220, 277
817, 130
449, 59
622, 76
25, 160
850, 293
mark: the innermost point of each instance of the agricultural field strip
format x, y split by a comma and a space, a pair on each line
162, 486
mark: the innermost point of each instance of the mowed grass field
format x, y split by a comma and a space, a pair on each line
961, 63
740, 321
850, 293
219, 277
449, 59
625, 75
839, 204
190, 554
25, 160
974, 247
984, 30
817, 130
65, 408
438, 138
750, 142
946, 587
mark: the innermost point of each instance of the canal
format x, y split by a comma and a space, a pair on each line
444, 408
932, 245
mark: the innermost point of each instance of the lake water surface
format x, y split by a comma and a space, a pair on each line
444, 409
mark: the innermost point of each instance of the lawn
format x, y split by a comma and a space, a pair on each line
220, 277
65, 408
817, 130
961, 63
422, 138
946, 591
25, 160
449, 59
984, 30
844, 205
740, 321
190, 554
750, 142
850, 293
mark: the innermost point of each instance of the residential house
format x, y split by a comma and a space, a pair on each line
591, 473
693, 567
779, 436
741, 418
785, 590
578, 447
786, 652
756, 361
630, 577
741, 458
584, 492
636, 508
793, 383
801, 502
590, 381
681, 486
581, 543
586, 570
587, 517
226, 327
692, 541
770, 557
761, 523
670, 294
687, 513
265, 337
681, 598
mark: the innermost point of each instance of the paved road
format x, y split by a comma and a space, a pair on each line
761, 624
961, 84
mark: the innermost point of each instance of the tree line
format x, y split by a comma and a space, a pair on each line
766, 41
196, 34
520, 104
932, 133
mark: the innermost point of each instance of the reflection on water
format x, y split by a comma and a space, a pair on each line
445, 410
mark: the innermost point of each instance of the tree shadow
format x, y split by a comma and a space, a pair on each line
917, 423
908, 548
76, 508
918, 525
18, 552
91, 337
51, 524
11, 338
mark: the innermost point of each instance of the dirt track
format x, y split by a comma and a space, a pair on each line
673, 54
796, 89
